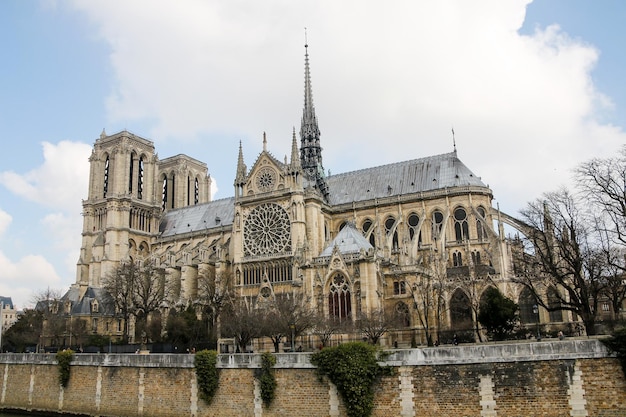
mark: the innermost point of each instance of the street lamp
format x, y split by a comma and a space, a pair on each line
536, 313
293, 332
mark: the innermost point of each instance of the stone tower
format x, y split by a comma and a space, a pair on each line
129, 189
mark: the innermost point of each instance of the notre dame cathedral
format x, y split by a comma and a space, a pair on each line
371, 240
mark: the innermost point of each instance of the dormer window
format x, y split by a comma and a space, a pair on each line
94, 306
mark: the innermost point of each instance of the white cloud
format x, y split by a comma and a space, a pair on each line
389, 80
23, 279
60, 182
5, 221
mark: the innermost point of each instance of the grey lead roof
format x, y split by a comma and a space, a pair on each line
199, 217
348, 240
417, 175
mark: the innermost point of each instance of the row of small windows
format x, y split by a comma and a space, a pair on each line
457, 258
461, 227
277, 271
140, 220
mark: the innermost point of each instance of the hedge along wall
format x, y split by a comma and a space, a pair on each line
560, 378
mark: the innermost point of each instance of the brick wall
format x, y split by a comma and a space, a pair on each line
565, 379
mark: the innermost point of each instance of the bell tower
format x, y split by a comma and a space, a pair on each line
122, 210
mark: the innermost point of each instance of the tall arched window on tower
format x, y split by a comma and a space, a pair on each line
461, 228
164, 193
140, 179
196, 192
105, 187
172, 190
339, 303
188, 191
131, 171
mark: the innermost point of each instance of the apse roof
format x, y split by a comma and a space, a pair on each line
348, 240
417, 175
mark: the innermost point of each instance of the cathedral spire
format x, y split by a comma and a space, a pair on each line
241, 167
310, 149
295, 160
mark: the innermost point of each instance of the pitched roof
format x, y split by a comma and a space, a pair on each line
417, 175
414, 176
348, 240
199, 217
82, 305
7, 302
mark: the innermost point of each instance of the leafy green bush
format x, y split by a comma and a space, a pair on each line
266, 378
353, 368
64, 358
207, 373
616, 344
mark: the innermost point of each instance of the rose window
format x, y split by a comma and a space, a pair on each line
266, 231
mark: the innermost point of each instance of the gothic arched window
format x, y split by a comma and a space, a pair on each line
402, 315
528, 306
105, 187
131, 168
457, 259
460, 310
339, 303
389, 229
140, 179
413, 221
480, 227
476, 257
461, 228
437, 223
367, 225
164, 193
554, 301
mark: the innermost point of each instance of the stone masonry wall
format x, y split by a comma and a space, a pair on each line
551, 379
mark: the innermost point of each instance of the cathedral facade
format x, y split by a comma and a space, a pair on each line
380, 239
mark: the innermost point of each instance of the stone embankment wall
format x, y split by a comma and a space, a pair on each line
560, 378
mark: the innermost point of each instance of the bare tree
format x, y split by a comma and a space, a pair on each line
427, 293
375, 324
325, 327
214, 293
48, 302
120, 284
603, 183
137, 290
243, 322
288, 315
563, 254
150, 290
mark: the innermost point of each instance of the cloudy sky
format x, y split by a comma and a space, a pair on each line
531, 89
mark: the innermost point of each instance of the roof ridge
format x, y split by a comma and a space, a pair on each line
395, 163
